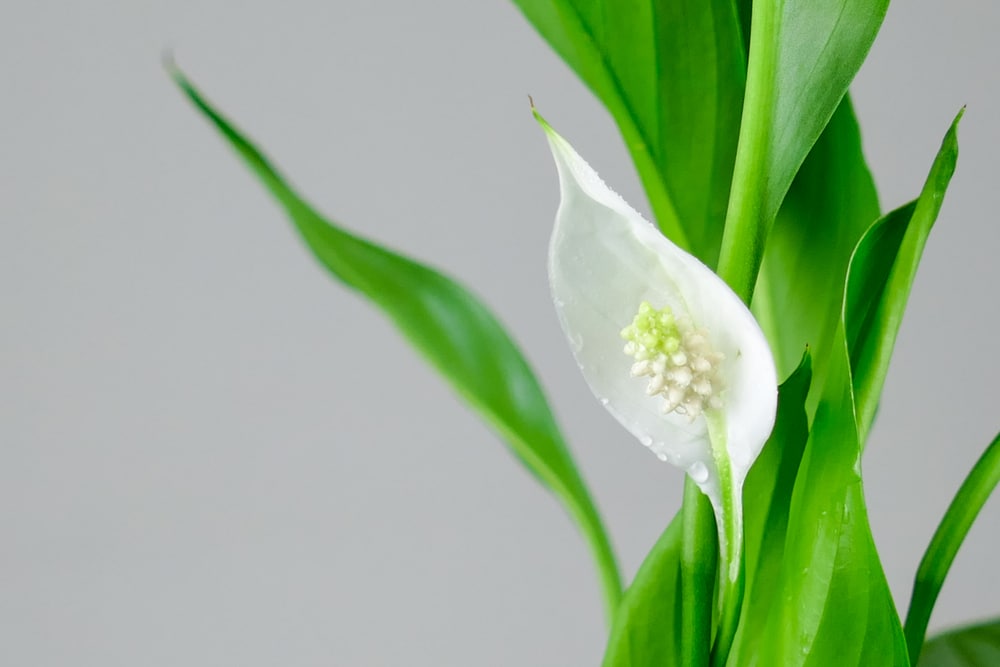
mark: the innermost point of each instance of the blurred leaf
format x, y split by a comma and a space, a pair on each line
803, 55
976, 646
828, 208
881, 274
941, 552
671, 72
453, 331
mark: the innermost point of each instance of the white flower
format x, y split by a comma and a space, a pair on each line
666, 346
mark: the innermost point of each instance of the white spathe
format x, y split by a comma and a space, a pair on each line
604, 261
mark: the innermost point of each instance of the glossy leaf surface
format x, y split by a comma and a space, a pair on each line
803, 55
835, 607
767, 497
672, 74
828, 208
882, 272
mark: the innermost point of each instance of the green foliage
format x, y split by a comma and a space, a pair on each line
881, 275
803, 55
976, 646
828, 208
649, 628
834, 606
767, 498
453, 331
799, 230
751, 157
941, 552
672, 75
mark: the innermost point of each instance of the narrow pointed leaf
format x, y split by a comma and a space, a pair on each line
837, 608
671, 73
976, 646
452, 330
881, 275
941, 552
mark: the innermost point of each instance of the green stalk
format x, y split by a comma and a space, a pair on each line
747, 226
730, 526
747, 223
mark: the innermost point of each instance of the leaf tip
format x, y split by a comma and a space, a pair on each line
169, 63
538, 117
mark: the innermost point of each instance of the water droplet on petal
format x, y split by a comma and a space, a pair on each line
604, 401
661, 456
698, 472
646, 440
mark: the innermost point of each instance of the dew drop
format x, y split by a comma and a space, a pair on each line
604, 401
698, 472
646, 440
661, 456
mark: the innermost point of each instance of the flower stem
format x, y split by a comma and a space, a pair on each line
749, 216
730, 526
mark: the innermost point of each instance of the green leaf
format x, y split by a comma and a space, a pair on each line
699, 571
941, 552
767, 498
647, 628
881, 274
671, 73
650, 626
803, 55
835, 606
828, 208
976, 646
453, 331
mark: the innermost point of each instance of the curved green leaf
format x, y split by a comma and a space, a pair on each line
647, 628
976, 646
803, 55
453, 331
767, 497
941, 552
835, 608
828, 208
671, 73
881, 273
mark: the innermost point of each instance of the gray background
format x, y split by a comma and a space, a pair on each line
211, 455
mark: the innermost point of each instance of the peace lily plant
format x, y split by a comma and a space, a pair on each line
770, 261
